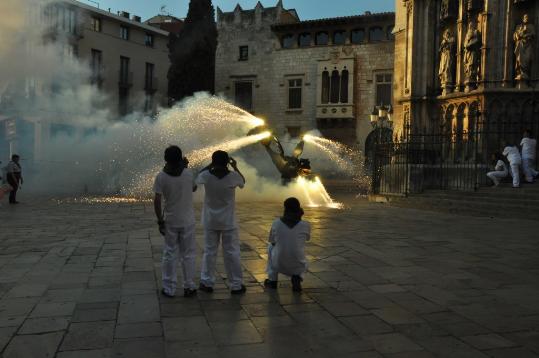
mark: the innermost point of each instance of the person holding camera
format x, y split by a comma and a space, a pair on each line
174, 187
219, 221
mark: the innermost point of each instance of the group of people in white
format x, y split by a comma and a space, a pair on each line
173, 203
524, 159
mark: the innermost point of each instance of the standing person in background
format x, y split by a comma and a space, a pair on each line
500, 169
513, 156
14, 177
219, 221
529, 152
174, 186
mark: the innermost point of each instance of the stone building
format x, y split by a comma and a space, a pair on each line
301, 75
466, 66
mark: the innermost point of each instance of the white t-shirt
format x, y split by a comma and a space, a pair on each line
219, 211
529, 148
288, 253
501, 167
178, 198
512, 154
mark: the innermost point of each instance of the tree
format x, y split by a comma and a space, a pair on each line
192, 52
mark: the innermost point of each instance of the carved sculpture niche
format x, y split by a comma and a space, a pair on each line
524, 41
447, 62
472, 55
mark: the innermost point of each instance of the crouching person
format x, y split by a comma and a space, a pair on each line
286, 251
500, 169
174, 187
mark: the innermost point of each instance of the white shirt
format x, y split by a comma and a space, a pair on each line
288, 253
501, 167
12, 167
529, 148
178, 198
512, 154
219, 210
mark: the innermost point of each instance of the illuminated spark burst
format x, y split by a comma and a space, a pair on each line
316, 194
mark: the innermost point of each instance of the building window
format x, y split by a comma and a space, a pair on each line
376, 34
383, 89
357, 36
339, 37
304, 40
124, 71
149, 79
244, 53
325, 87
124, 33
243, 91
288, 41
96, 24
294, 93
335, 86
390, 35
96, 65
148, 40
322, 38
345, 75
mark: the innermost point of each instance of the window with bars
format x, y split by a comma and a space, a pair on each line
383, 89
295, 93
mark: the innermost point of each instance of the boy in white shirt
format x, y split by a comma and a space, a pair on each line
286, 250
174, 186
500, 169
219, 221
529, 152
513, 156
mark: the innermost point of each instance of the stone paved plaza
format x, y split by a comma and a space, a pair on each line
80, 281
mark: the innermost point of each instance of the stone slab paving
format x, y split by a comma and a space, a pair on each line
82, 280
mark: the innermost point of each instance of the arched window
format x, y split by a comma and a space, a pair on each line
376, 34
288, 41
322, 38
339, 37
335, 86
304, 39
357, 36
344, 85
325, 87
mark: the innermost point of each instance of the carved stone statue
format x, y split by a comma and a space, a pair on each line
447, 61
524, 38
472, 56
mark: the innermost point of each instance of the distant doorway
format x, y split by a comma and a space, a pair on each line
243, 95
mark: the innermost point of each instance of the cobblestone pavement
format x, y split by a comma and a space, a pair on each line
80, 280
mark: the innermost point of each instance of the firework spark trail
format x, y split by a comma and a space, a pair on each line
316, 194
332, 151
197, 157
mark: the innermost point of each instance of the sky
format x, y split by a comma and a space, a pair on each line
306, 8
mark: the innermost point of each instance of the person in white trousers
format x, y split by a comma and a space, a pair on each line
513, 156
500, 169
529, 153
219, 221
286, 249
174, 186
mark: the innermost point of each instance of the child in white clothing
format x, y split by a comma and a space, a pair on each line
500, 169
286, 251
529, 151
515, 160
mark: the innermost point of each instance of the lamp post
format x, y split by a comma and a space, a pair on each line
381, 117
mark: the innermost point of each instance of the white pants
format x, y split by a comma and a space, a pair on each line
231, 255
528, 166
182, 241
273, 268
515, 173
495, 176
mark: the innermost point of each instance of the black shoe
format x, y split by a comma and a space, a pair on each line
204, 288
14, 202
270, 284
241, 291
163, 292
296, 283
189, 292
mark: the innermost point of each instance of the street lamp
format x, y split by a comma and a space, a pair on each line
381, 117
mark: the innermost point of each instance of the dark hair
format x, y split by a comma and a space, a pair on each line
528, 132
292, 205
220, 158
173, 154
15, 156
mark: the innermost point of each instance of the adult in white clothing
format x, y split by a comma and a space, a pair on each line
529, 153
174, 186
286, 249
500, 169
513, 156
219, 221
